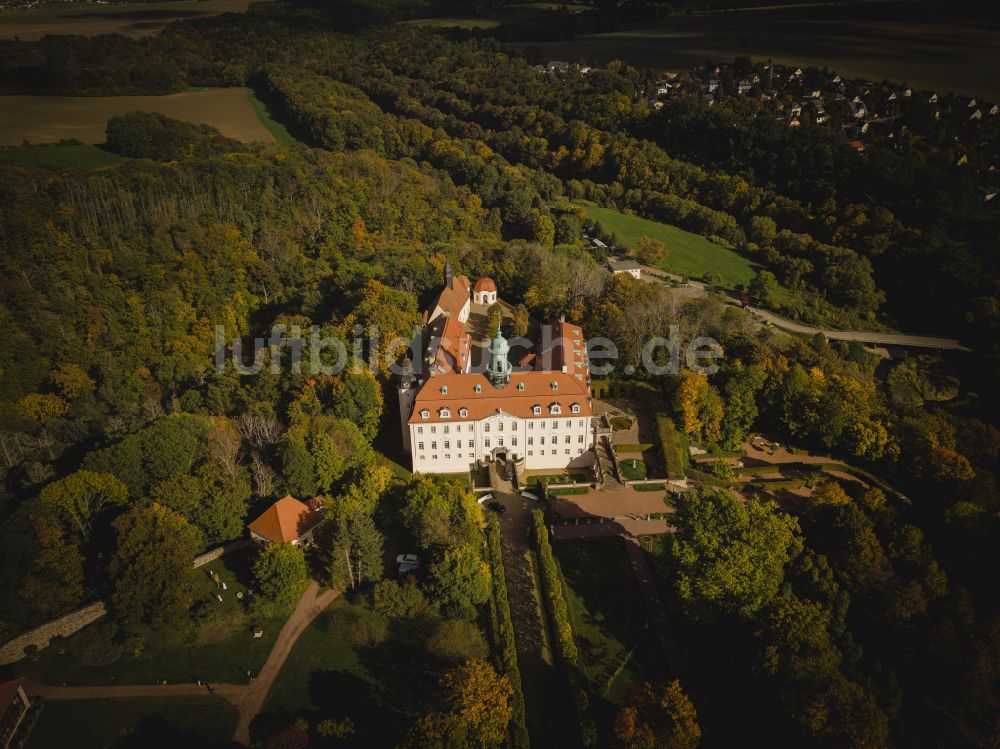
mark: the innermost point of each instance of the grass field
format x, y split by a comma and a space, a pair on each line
91, 19
608, 616
49, 119
689, 254
220, 649
934, 56
188, 722
382, 687
59, 156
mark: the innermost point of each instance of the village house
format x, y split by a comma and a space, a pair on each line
466, 403
631, 267
288, 521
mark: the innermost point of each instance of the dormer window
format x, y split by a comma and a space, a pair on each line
444, 390
555, 408
463, 412
444, 413
520, 386
575, 408
478, 388
554, 385
425, 414
536, 410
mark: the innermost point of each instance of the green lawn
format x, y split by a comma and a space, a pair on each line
608, 616
633, 469
219, 649
83, 155
277, 129
688, 254
382, 687
169, 722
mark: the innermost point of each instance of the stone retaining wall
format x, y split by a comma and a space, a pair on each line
40, 636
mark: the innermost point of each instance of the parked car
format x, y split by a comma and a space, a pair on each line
496, 507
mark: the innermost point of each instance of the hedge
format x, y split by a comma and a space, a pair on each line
672, 446
503, 633
636, 448
552, 589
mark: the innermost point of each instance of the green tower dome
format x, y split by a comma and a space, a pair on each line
499, 369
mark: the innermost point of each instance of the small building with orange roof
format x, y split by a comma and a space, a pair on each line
288, 520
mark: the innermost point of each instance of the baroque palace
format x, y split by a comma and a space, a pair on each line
475, 399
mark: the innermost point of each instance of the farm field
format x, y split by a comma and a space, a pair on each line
939, 57
49, 119
689, 254
91, 19
454, 22
187, 722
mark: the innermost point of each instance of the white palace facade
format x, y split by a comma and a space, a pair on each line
467, 402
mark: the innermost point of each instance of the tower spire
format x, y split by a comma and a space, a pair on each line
499, 369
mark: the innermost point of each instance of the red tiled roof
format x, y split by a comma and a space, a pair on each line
485, 284
565, 349
453, 298
7, 691
537, 390
288, 519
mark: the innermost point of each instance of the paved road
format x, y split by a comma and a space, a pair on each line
698, 289
248, 698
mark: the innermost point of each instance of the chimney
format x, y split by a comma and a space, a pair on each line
449, 276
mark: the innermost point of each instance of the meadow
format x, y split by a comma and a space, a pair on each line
688, 254
49, 119
932, 56
91, 19
190, 722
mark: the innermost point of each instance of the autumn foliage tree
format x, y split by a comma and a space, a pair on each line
657, 717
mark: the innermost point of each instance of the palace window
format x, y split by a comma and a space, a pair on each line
487, 442
580, 438
434, 446
420, 430
531, 441
446, 429
541, 440
447, 445
500, 442
513, 442
486, 427
569, 424
420, 445
566, 440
